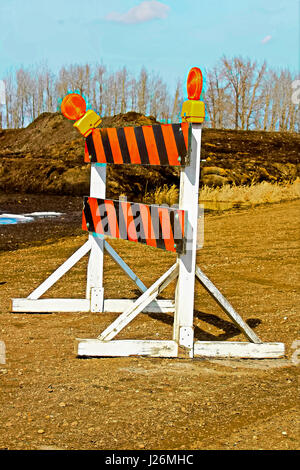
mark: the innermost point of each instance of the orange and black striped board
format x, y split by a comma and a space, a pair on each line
160, 144
156, 226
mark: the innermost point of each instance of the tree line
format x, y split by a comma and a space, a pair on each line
238, 94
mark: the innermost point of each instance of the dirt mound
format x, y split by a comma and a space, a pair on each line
47, 157
242, 157
129, 119
43, 137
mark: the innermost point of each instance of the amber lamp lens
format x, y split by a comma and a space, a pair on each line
194, 83
73, 106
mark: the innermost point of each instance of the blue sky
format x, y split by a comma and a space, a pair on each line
167, 36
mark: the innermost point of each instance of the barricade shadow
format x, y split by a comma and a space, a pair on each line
229, 329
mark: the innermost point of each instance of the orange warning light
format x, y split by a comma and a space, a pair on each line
194, 83
73, 106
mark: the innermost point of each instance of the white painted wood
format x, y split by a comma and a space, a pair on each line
186, 339
95, 347
50, 305
188, 200
2, 353
58, 273
138, 306
95, 265
98, 180
200, 227
96, 259
157, 306
97, 300
226, 306
227, 349
83, 305
117, 258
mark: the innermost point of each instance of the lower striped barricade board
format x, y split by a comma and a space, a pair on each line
156, 226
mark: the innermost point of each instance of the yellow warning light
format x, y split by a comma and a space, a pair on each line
194, 83
73, 106
193, 110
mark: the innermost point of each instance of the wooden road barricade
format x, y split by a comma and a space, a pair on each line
171, 229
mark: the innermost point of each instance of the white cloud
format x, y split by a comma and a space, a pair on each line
266, 39
145, 11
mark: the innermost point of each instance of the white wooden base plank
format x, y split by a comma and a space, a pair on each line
83, 305
228, 349
122, 348
120, 305
50, 305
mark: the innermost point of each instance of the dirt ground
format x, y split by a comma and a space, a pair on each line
43, 230
50, 399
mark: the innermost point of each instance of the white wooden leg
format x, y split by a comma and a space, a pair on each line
97, 299
189, 193
95, 271
94, 285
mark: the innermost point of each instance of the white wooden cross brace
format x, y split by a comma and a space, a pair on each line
226, 306
59, 272
157, 305
150, 294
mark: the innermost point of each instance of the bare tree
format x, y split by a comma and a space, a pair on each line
177, 102
239, 94
99, 83
217, 99
143, 91
22, 90
154, 89
132, 85
122, 77
244, 80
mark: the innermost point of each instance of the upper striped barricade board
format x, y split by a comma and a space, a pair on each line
156, 226
160, 144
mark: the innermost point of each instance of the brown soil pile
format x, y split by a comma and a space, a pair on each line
47, 157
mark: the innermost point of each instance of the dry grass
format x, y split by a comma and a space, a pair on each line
259, 193
165, 195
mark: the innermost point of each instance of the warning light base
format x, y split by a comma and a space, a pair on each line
87, 123
193, 111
